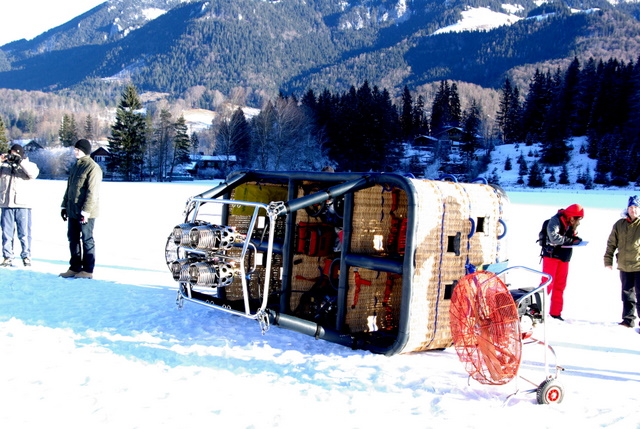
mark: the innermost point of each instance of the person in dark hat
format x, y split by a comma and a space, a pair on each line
80, 208
624, 244
561, 232
16, 176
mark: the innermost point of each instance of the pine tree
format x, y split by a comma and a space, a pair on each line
261, 141
508, 117
588, 180
523, 169
233, 138
68, 132
181, 143
564, 175
4, 141
470, 130
588, 79
195, 143
387, 133
128, 136
310, 102
440, 109
535, 176
161, 153
455, 106
495, 177
420, 121
89, 128
555, 150
242, 136
407, 116
361, 129
446, 110
536, 106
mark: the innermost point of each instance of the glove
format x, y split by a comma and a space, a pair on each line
83, 220
63, 214
576, 240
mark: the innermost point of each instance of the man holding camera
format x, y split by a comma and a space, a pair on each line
16, 171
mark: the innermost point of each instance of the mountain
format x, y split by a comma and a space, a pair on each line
174, 46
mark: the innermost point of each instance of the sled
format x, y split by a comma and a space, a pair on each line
366, 260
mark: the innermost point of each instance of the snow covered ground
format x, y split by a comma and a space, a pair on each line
116, 352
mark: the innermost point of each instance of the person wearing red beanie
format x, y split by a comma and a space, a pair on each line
561, 232
574, 210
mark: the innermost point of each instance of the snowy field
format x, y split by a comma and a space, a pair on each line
116, 352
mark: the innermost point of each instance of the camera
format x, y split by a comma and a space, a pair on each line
13, 158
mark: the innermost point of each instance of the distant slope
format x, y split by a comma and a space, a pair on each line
295, 45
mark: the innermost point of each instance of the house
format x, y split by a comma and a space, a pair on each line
32, 146
447, 146
101, 156
425, 143
450, 134
206, 164
422, 150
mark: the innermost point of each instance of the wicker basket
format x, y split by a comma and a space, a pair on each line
457, 226
408, 243
447, 211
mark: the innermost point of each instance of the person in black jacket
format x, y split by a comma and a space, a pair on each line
80, 207
562, 231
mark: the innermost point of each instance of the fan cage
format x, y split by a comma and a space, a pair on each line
485, 328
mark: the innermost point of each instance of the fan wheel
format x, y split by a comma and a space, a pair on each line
485, 327
550, 391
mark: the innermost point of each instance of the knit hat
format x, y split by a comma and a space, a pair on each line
18, 149
634, 201
84, 145
574, 210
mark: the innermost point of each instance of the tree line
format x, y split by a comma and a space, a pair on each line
362, 129
359, 130
598, 99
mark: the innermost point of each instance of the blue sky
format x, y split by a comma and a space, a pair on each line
26, 19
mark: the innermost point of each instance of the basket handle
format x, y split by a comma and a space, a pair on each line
504, 229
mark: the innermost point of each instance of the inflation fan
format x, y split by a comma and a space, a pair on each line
487, 334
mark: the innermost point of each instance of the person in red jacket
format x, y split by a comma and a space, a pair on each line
562, 231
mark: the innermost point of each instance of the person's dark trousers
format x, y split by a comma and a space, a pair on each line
81, 245
630, 293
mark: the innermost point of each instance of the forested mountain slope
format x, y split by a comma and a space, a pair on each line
171, 46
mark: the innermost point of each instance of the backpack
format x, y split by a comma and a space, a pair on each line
542, 235
542, 239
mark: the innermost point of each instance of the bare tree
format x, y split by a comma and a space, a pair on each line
282, 138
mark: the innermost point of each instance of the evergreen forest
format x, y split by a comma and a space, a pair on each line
363, 129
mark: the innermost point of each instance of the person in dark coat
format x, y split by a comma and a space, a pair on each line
562, 231
624, 243
80, 208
